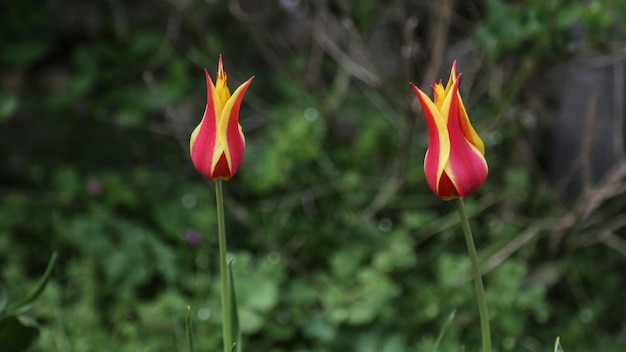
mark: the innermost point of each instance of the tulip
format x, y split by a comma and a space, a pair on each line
217, 144
454, 164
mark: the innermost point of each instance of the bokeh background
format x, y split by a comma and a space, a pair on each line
338, 243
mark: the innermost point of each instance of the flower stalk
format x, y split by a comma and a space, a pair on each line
221, 229
216, 148
478, 280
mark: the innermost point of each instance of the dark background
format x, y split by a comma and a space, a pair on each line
338, 243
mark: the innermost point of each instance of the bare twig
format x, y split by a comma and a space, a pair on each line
613, 241
354, 60
611, 186
606, 235
532, 231
518, 242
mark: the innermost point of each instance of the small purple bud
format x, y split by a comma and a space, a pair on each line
94, 187
193, 237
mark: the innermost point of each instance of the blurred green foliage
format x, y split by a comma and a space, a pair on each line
338, 244
16, 331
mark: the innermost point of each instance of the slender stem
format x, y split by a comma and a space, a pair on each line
478, 280
221, 228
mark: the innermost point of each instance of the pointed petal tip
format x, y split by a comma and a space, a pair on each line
221, 75
244, 86
415, 89
207, 77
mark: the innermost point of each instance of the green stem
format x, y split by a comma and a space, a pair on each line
478, 280
221, 228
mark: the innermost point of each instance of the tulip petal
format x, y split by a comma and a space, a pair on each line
221, 169
213, 97
466, 168
439, 141
466, 126
204, 147
230, 135
452, 77
439, 94
221, 86
447, 189
468, 129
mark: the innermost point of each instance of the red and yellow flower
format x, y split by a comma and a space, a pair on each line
217, 144
454, 164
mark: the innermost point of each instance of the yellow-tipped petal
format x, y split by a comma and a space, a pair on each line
192, 139
230, 135
439, 94
220, 83
203, 145
438, 141
466, 167
218, 107
468, 130
452, 77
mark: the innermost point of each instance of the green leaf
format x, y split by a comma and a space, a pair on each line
23, 304
234, 316
25, 52
15, 336
444, 329
189, 331
557, 345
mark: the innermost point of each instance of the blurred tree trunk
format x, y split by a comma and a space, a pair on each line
589, 133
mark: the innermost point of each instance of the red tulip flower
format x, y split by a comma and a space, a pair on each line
454, 164
217, 144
